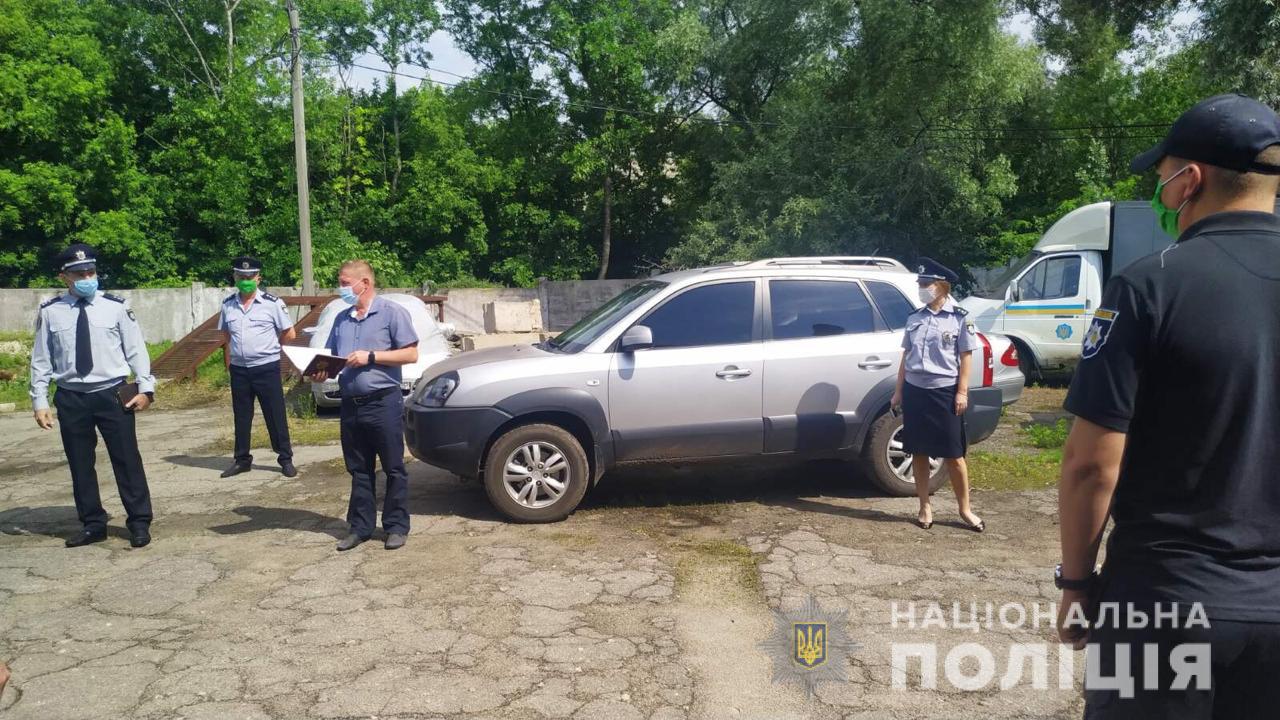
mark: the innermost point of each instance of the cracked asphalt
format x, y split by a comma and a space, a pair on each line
649, 603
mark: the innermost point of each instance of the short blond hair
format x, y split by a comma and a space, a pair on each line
360, 267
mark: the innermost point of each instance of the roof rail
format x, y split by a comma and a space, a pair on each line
870, 261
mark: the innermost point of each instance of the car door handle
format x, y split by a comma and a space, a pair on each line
874, 363
732, 372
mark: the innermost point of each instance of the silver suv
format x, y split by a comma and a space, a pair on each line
790, 356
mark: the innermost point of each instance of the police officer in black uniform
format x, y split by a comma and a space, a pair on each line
1177, 432
256, 323
88, 342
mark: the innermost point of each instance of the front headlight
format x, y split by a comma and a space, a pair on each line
436, 392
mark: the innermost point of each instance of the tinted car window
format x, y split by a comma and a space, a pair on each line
894, 306
721, 314
815, 308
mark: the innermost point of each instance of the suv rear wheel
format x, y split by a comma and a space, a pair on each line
889, 466
536, 473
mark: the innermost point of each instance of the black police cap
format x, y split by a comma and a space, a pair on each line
930, 269
1227, 131
76, 257
245, 265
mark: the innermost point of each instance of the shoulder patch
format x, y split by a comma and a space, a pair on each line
129, 311
267, 296
1099, 329
50, 301
113, 298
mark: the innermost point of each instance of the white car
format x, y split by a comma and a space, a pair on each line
432, 343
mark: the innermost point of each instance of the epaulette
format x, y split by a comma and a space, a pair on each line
113, 298
230, 297
50, 301
267, 296
961, 311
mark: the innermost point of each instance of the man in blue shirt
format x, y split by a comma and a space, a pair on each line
255, 323
376, 337
89, 342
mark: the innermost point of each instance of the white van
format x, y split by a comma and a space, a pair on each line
1044, 301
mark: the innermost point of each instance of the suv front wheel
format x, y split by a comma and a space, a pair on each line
889, 466
536, 473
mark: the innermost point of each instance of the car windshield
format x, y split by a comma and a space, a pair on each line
585, 331
995, 289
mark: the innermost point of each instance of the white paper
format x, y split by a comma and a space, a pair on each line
301, 357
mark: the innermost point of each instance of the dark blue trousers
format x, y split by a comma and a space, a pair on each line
81, 416
263, 383
370, 431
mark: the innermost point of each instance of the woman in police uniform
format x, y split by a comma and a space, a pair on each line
933, 389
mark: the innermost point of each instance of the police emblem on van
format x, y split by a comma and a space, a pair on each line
1096, 336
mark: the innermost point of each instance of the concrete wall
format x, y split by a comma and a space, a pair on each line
566, 302
171, 313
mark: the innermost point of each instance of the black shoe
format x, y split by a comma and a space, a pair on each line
141, 538
84, 537
350, 541
395, 541
235, 470
288, 470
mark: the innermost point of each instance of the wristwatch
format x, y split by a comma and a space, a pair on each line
1068, 584
371, 360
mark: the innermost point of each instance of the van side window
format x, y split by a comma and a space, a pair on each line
720, 314
1055, 277
815, 308
894, 306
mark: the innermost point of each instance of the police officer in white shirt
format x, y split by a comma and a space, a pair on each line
256, 323
933, 389
88, 342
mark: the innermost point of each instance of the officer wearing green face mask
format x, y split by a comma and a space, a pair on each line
256, 323
1177, 401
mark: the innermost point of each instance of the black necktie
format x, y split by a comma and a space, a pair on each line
84, 346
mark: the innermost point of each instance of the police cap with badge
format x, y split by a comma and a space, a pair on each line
246, 266
929, 270
76, 257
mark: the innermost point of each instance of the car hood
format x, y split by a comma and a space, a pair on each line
484, 357
982, 310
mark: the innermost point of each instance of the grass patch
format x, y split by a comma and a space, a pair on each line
997, 471
1048, 437
717, 561
302, 431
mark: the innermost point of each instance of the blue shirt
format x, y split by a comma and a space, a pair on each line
115, 339
934, 342
255, 333
386, 326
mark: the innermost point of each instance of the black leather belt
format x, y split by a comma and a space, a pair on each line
375, 395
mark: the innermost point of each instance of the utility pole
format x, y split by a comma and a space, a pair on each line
300, 152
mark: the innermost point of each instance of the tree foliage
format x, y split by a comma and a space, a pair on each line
596, 138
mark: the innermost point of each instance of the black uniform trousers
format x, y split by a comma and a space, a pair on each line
81, 416
263, 383
373, 429
1244, 660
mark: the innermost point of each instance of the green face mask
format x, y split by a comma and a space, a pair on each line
1167, 218
246, 286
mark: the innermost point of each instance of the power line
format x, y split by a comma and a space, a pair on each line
940, 132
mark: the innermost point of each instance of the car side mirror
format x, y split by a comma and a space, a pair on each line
637, 337
1014, 295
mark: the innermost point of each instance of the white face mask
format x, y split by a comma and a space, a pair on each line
928, 294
